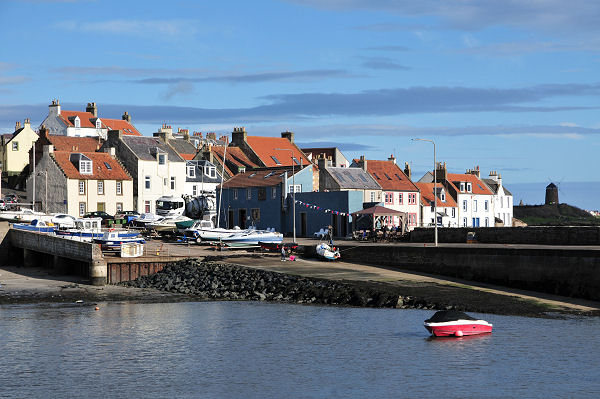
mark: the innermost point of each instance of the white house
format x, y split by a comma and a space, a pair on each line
503, 199
156, 168
446, 206
85, 124
201, 178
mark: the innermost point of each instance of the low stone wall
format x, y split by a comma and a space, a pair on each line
567, 272
53, 245
538, 235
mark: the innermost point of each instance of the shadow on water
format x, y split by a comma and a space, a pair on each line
444, 340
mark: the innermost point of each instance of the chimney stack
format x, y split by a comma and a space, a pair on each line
407, 171
392, 159
211, 136
27, 123
362, 163
92, 109
43, 132
126, 117
238, 136
441, 171
54, 108
288, 135
17, 126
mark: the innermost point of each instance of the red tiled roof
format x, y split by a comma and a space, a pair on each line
258, 178
99, 169
264, 148
389, 176
120, 124
187, 157
110, 124
427, 196
74, 144
477, 185
234, 155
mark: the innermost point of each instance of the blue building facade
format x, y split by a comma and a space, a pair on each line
318, 210
257, 197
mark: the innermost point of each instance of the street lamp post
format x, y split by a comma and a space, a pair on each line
435, 214
294, 193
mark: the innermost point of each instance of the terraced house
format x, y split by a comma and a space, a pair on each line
79, 182
14, 148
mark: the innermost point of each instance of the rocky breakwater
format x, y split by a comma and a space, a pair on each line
211, 280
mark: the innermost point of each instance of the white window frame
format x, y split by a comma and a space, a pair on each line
15, 146
474, 205
485, 205
442, 196
295, 189
119, 187
372, 196
147, 182
119, 207
213, 172
487, 222
77, 122
194, 190
462, 187
100, 187
81, 187
400, 199
85, 167
161, 158
465, 206
191, 171
464, 222
469, 187
173, 183
82, 208
453, 212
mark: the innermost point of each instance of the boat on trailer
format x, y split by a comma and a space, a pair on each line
251, 238
87, 229
204, 230
112, 240
452, 323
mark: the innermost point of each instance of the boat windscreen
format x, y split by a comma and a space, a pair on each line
448, 315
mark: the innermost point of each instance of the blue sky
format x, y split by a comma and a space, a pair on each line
509, 85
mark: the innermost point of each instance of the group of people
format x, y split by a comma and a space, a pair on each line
384, 233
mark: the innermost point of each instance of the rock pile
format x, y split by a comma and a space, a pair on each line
219, 281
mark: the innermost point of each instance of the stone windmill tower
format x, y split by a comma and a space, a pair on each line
551, 194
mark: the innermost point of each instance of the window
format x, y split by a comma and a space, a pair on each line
400, 198
442, 196
389, 198
213, 172
172, 182
162, 159
147, 207
464, 222
85, 167
147, 182
412, 198
273, 192
485, 205
194, 190
475, 206
296, 160
255, 214
412, 219
487, 222
98, 124
100, 187
469, 187
81, 208
465, 205
295, 189
81, 187
191, 170
77, 122
453, 213
235, 194
274, 158
119, 186
107, 165
15, 146
462, 187
101, 206
248, 193
372, 196
165, 181
119, 207
262, 193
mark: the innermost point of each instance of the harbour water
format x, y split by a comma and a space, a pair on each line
263, 350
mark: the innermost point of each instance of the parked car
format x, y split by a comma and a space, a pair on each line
2, 205
63, 220
11, 198
128, 216
99, 214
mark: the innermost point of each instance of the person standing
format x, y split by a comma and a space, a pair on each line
282, 253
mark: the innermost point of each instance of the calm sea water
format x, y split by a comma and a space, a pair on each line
260, 350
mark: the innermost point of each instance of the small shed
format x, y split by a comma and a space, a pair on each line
377, 213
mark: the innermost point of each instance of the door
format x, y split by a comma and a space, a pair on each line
303, 224
334, 224
475, 222
230, 220
344, 221
101, 207
242, 215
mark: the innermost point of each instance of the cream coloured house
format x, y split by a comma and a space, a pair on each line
80, 182
14, 148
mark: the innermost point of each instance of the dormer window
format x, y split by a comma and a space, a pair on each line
82, 163
469, 187
212, 172
77, 122
191, 170
462, 187
443, 196
162, 159
98, 124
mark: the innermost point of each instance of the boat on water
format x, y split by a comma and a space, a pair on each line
89, 228
112, 240
24, 215
328, 252
205, 230
452, 323
36, 225
252, 238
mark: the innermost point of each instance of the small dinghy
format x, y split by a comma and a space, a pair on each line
451, 323
327, 251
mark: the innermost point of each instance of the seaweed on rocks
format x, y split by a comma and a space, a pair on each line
215, 280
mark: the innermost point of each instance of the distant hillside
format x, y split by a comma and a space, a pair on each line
554, 215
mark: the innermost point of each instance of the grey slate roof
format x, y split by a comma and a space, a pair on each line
353, 178
494, 186
142, 147
183, 146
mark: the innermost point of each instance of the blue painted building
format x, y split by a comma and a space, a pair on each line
257, 197
318, 210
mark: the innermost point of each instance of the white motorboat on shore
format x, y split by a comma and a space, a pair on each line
166, 225
24, 215
87, 229
204, 230
252, 237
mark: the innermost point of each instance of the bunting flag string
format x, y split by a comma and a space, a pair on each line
318, 208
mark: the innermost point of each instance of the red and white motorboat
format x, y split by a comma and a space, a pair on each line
451, 323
